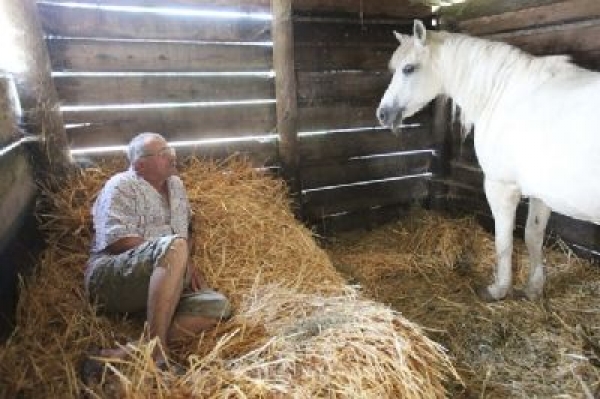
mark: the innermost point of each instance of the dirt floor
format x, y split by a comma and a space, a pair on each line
427, 267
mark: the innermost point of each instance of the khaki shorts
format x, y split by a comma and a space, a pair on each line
119, 283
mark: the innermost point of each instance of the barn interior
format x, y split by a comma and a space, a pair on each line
271, 107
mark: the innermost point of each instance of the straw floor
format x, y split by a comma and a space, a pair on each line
426, 266
298, 331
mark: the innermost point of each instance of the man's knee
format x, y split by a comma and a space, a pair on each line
179, 245
177, 255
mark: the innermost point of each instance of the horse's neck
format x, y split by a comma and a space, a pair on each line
472, 76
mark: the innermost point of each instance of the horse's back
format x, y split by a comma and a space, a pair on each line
549, 144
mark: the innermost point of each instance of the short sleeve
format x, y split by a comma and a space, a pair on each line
115, 213
180, 207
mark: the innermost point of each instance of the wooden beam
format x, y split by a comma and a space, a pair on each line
80, 90
340, 146
364, 8
474, 9
34, 83
354, 87
127, 56
528, 18
9, 109
92, 22
118, 126
285, 90
442, 136
237, 5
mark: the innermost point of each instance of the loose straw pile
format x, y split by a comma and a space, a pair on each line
427, 267
298, 330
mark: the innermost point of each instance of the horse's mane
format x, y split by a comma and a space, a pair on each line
479, 72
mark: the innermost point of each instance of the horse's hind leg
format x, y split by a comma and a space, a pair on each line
537, 219
503, 199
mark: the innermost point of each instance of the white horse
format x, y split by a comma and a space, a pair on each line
536, 124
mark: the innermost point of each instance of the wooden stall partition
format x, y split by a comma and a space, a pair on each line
26, 59
199, 72
17, 196
541, 27
352, 171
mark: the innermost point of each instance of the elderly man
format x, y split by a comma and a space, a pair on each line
140, 258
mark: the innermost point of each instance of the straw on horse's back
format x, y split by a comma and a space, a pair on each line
535, 125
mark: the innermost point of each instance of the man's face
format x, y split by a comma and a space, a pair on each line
159, 160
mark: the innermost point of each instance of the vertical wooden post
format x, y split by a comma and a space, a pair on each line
441, 168
285, 91
29, 63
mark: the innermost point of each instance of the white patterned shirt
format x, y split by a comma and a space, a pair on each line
128, 206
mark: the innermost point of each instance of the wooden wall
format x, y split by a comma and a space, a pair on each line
541, 27
17, 194
175, 66
341, 50
351, 171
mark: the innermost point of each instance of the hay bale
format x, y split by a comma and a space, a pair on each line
297, 330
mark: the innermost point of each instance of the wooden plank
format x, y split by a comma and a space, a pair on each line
371, 218
474, 9
17, 191
463, 149
31, 70
99, 23
357, 170
111, 56
584, 234
567, 11
342, 116
9, 110
353, 87
576, 39
364, 8
318, 204
358, 32
285, 87
442, 133
80, 90
341, 146
259, 153
241, 5
117, 127
347, 56
468, 174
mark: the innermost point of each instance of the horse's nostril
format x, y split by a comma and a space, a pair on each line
381, 114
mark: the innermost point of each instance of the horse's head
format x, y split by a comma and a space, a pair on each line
413, 84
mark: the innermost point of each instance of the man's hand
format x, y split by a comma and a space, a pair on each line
197, 280
124, 244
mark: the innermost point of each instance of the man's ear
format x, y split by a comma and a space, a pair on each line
138, 165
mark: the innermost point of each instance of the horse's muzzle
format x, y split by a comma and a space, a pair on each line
390, 117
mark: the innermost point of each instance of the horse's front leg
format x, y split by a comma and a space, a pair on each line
503, 199
537, 219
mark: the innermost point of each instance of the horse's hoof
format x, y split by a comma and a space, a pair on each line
484, 294
520, 295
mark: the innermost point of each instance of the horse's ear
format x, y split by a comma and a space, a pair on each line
419, 32
399, 36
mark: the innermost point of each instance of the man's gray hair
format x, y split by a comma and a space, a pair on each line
137, 145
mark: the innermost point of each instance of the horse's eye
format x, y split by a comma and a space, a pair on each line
409, 68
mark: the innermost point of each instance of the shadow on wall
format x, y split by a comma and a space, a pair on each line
18, 256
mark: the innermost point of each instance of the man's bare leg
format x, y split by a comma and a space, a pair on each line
164, 291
